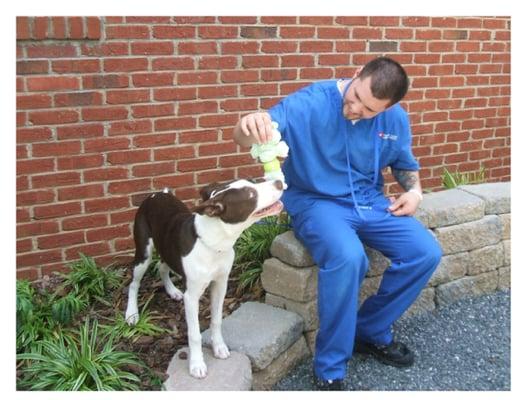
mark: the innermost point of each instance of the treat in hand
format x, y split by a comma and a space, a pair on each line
267, 154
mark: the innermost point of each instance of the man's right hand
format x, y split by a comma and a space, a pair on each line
253, 128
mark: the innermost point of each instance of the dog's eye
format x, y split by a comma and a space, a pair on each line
251, 193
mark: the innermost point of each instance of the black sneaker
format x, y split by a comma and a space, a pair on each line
395, 354
328, 384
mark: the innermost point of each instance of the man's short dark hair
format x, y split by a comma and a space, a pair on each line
389, 79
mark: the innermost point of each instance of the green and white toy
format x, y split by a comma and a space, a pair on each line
267, 154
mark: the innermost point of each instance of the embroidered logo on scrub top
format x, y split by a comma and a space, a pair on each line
387, 136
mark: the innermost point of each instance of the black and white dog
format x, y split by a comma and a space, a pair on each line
198, 246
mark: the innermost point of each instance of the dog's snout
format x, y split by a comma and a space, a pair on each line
278, 184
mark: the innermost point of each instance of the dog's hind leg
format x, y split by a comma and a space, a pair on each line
141, 265
171, 290
218, 291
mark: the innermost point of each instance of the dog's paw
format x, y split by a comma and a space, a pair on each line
175, 294
132, 317
198, 369
221, 351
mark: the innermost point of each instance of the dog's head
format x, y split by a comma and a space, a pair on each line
241, 201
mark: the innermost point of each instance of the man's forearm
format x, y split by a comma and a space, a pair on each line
408, 202
407, 179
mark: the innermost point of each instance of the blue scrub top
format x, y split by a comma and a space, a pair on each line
311, 122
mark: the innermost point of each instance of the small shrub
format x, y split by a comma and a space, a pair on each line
253, 247
79, 362
144, 326
54, 353
64, 309
452, 180
90, 282
42, 315
34, 319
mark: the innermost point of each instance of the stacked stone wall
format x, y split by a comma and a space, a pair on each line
472, 225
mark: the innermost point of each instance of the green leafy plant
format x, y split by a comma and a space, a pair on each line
34, 319
64, 309
79, 362
87, 281
24, 301
153, 270
54, 353
452, 180
253, 247
25, 315
144, 326
42, 315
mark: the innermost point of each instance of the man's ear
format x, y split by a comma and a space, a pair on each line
357, 72
209, 208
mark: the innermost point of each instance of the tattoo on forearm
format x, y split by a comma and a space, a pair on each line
407, 179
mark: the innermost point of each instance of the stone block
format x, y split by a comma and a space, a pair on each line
506, 226
310, 340
450, 207
260, 331
289, 250
504, 278
378, 263
424, 303
468, 286
299, 284
485, 259
281, 366
422, 216
507, 252
497, 196
451, 267
470, 235
307, 310
369, 287
233, 373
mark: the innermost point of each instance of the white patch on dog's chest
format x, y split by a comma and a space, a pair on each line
204, 264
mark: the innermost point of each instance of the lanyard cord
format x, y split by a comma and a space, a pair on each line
376, 158
349, 169
376, 161
350, 183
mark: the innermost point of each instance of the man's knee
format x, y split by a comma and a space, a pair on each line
431, 253
332, 245
352, 257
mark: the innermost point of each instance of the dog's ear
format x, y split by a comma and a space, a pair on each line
209, 208
206, 191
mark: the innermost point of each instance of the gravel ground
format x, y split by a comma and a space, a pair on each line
465, 346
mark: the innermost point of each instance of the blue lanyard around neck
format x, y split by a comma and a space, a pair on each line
349, 168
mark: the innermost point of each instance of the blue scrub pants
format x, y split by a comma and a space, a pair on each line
333, 232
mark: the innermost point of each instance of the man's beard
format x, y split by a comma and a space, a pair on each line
350, 116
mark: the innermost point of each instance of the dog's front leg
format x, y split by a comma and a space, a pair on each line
191, 298
218, 291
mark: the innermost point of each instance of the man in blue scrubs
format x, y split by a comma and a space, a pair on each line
342, 134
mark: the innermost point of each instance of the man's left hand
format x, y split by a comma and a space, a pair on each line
406, 204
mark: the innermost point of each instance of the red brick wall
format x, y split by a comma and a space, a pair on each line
111, 108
